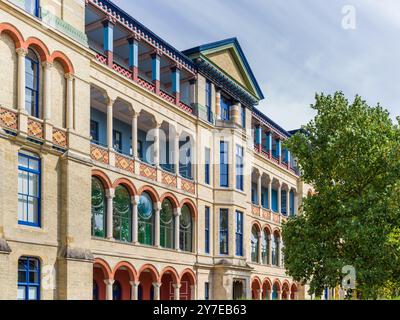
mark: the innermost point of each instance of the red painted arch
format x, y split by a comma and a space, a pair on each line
40, 48
170, 196
108, 274
103, 178
13, 32
268, 228
131, 270
126, 183
64, 60
267, 282
172, 272
190, 273
256, 223
151, 191
154, 273
278, 283
191, 206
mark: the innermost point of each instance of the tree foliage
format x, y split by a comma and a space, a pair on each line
350, 154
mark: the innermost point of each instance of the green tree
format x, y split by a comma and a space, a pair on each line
350, 154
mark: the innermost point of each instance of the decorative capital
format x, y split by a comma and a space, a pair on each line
69, 76
110, 193
177, 212
22, 52
47, 65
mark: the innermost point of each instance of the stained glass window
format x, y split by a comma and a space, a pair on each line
98, 209
185, 229
146, 220
122, 214
167, 225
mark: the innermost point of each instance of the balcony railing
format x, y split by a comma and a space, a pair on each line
267, 155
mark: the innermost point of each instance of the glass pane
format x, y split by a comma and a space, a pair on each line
34, 164
22, 161
145, 207
33, 184
22, 276
33, 277
22, 206
21, 293
33, 210
33, 293
22, 182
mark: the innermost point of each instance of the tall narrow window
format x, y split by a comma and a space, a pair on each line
98, 209
275, 250
264, 198
146, 220
207, 230
185, 229
254, 244
225, 108
30, 6
223, 231
224, 166
265, 247
167, 225
29, 177
185, 163
291, 200
32, 83
206, 291
239, 233
122, 215
208, 100
254, 199
28, 279
207, 160
117, 138
239, 168
284, 195
243, 115
274, 195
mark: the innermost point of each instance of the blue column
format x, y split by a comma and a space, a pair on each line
108, 34
279, 148
258, 135
176, 80
268, 141
134, 57
155, 71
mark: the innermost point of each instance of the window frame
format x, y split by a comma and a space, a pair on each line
239, 166
239, 234
36, 78
207, 160
39, 197
208, 92
115, 133
224, 155
223, 232
95, 139
27, 285
207, 230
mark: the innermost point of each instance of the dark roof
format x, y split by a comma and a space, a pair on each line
224, 42
270, 122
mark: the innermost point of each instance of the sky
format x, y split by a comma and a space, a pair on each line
295, 48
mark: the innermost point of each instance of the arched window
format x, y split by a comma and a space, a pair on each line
185, 229
167, 225
275, 249
146, 219
122, 215
98, 209
254, 244
28, 279
32, 81
275, 290
265, 247
117, 292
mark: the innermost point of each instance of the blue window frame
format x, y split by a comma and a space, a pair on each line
239, 168
254, 194
225, 108
239, 233
207, 230
209, 100
264, 198
32, 80
291, 200
185, 163
274, 195
29, 180
284, 210
94, 131
30, 6
223, 231
28, 279
224, 166
207, 160
206, 291
117, 139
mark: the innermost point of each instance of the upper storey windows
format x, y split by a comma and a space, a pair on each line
225, 108
32, 83
30, 6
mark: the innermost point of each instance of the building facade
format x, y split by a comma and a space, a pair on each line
131, 170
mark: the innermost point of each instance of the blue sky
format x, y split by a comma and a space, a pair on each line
295, 47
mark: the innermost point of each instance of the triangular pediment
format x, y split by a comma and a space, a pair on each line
228, 56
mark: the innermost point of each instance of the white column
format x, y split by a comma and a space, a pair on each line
177, 291
296, 203
176, 152
70, 100
280, 199
270, 194
192, 292
110, 210
156, 145
110, 123
135, 202
157, 207
156, 286
279, 295
218, 104
260, 293
177, 214
109, 289
21, 52
259, 189
134, 290
259, 253
134, 135
270, 239
47, 90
